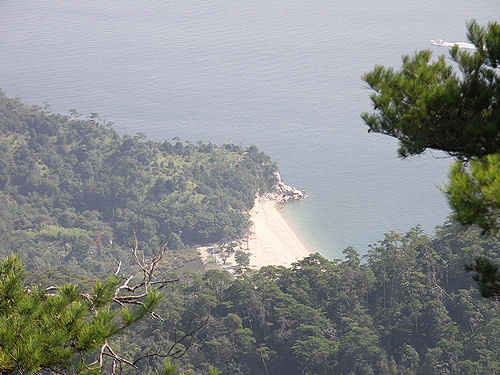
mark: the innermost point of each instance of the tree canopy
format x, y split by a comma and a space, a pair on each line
429, 104
408, 308
72, 188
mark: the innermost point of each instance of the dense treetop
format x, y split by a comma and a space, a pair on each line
407, 308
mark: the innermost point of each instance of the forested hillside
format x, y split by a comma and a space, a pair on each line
407, 308
72, 189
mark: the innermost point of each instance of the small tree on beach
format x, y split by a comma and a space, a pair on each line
242, 259
230, 247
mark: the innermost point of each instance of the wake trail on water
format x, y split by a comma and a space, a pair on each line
442, 43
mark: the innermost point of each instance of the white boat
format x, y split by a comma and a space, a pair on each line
439, 42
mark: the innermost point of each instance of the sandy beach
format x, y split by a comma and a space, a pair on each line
272, 241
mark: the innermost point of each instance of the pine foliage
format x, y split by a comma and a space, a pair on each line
56, 328
430, 104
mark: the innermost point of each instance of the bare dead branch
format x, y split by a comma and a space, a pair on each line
134, 294
116, 358
118, 269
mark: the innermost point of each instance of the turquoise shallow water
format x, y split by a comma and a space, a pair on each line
283, 75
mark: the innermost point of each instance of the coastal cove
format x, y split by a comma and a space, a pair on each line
284, 76
270, 239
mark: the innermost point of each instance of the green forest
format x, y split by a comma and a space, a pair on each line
72, 190
97, 229
407, 307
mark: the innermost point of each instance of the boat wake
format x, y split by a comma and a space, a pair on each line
442, 43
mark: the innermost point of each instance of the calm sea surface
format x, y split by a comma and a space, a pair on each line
283, 75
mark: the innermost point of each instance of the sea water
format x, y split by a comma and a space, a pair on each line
283, 75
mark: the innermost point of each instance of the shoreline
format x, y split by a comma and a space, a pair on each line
270, 241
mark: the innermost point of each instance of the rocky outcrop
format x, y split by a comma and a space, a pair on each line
283, 193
